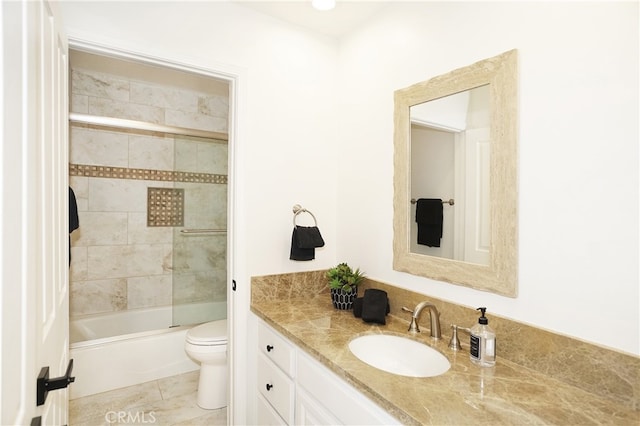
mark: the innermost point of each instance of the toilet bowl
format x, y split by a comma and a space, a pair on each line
207, 344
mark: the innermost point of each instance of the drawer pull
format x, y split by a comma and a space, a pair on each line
269, 348
269, 387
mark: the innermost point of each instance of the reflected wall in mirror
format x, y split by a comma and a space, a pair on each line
456, 139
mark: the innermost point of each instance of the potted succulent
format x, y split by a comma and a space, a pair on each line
343, 282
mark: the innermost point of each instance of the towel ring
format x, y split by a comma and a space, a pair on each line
297, 209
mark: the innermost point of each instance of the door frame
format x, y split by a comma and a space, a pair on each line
238, 299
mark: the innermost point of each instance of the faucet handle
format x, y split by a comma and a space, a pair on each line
413, 327
454, 343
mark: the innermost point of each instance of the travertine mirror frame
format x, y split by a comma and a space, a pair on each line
501, 275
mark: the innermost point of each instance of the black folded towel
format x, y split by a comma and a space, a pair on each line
375, 306
304, 241
357, 307
429, 220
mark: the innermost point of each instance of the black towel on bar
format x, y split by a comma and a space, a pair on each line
375, 306
308, 237
429, 220
304, 241
74, 222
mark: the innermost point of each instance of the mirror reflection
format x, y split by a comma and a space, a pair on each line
449, 178
456, 138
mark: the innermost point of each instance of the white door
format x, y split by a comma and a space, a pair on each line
476, 221
34, 223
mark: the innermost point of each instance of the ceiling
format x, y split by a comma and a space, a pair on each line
345, 17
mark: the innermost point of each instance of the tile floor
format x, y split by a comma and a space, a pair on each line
165, 402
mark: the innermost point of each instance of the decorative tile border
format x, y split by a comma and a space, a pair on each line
144, 174
165, 207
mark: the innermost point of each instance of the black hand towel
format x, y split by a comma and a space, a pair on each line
308, 237
375, 306
74, 222
429, 220
304, 241
357, 307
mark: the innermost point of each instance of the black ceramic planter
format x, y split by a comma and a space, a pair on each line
343, 300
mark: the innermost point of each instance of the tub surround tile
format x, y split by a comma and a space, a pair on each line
217, 106
140, 233
99, 147
119, 195
128, 261
79, 103
212, 158
149, 152
97, 296
130, 111
99, 85
147, 292
111, 170
186, 154
163, 97
539, 378
195, 121
191, 287
101, 228
78, 268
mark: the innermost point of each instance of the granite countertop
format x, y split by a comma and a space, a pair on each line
467, 394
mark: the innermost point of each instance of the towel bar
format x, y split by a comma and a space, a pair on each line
203, 231
450, 201
297, 209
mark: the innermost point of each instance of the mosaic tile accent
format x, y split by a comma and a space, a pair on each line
144, 174
165, 207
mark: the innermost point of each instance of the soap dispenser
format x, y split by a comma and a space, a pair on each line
483, 342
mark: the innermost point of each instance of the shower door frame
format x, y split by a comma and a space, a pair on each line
237, 301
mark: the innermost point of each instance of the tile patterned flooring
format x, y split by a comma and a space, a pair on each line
164, 402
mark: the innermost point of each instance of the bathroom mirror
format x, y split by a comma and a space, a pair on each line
492, 83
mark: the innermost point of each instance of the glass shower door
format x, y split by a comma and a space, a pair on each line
199, 263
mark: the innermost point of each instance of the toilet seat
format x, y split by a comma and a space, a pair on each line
212, 333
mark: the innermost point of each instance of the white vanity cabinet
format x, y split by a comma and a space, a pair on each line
294, 388
276, 368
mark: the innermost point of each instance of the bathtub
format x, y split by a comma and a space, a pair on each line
111, 350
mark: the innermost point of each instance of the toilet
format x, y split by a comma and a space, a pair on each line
207, 344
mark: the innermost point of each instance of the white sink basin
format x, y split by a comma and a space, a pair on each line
399, 355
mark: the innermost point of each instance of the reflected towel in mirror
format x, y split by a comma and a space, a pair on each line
429, 220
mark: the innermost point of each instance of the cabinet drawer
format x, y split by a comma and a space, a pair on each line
309, 412
267, 416
276, 348
346, 403
276, 388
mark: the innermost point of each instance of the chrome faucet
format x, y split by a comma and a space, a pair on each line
433, 313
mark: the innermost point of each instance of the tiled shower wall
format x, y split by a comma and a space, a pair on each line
118, 262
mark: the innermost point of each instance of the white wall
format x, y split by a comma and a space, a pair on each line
578, 187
